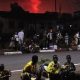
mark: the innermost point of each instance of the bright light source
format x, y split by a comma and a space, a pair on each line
70, 26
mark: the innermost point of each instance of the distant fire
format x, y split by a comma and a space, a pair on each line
41, 6
35, 5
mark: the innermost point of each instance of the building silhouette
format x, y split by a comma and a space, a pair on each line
17, 18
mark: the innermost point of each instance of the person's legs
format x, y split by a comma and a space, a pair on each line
54, 77
25, 77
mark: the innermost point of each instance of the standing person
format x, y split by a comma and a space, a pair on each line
67, 39
16, 37
21, 38
59, 37
59, 40
50, 37
12, 43
76, 36
45, 40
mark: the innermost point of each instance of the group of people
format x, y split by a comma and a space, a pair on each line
63, 40
46, 71
51, 71
17, 40
46, 40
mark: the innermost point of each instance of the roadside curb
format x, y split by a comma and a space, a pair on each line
40, 51
13, 52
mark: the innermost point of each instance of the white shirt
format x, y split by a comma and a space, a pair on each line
21, 35
50, 36
16, 37
77, 35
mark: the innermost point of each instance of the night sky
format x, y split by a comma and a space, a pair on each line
40, 6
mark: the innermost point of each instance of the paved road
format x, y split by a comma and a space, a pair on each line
16, 62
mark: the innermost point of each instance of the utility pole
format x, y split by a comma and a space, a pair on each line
60, 8
55, 6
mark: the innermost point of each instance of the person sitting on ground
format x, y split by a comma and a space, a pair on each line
69, 68
53, 69
69, 65
30, 69
4, 74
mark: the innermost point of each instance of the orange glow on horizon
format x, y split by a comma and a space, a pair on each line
35, 5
